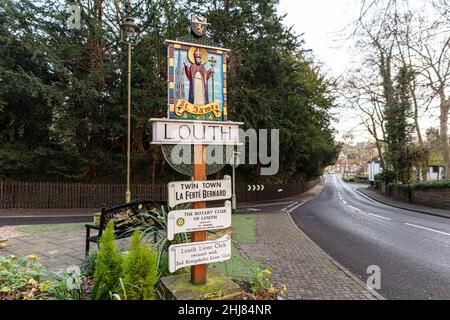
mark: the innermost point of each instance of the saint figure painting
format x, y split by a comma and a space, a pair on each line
197, 86
198, 76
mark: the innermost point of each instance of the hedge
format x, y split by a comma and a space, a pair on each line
444, 184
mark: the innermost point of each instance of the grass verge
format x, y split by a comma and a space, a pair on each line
239, 267
43, 228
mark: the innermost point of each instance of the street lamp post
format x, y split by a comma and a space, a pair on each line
128, 34
234, 165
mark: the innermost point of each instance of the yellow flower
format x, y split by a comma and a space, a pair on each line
30, 294
44, 286
268, 271
13, 257
32, 282
271, 289
32, 257
283, 289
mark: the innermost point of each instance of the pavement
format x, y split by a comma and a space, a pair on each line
296, 261
411, 249
55, 250
373, 194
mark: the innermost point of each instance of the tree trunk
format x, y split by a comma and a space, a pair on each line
444, 108
422, 159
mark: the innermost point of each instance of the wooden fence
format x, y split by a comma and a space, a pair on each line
47, 195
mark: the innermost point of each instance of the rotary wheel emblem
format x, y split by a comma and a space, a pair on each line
180, 222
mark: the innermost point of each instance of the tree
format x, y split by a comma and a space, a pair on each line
398, 131
63, 111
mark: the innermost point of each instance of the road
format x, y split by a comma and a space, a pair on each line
411, 249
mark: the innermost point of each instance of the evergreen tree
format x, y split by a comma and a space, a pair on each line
108, 266
63, 92
140, 270
398, 130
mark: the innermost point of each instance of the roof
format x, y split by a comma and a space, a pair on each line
436, 159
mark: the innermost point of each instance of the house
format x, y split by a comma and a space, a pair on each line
374, 168
435, 168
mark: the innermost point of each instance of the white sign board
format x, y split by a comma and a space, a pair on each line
197, 190
171, 131
195, 253
191, 220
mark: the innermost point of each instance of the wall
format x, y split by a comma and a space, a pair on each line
436, 198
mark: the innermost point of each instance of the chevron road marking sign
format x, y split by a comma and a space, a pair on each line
255, 187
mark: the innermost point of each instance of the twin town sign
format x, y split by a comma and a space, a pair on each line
194, 191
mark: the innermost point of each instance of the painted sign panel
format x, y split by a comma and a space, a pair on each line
195, 191
197, 81
167, 131
195, 253
191, 220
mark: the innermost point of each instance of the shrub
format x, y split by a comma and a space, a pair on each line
108, 266
350, 179
22, 278
260, 281
388, 176
25, 279
158, 231
140, 270
88, 265
390, 187
67, 286
443, 184
361, 178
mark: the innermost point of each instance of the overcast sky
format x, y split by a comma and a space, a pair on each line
323, 24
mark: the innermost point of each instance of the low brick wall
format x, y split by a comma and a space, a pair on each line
435, 198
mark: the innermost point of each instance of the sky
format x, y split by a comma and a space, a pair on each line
324, 24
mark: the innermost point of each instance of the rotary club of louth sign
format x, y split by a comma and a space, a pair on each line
198, 116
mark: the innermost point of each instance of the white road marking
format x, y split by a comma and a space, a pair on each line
432, 230
294, 208
253, 209
381, 217
266, 205
291, 205
370, 199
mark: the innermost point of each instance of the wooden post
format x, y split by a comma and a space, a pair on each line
198, 272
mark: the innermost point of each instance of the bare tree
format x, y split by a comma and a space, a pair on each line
414, 34
432, 49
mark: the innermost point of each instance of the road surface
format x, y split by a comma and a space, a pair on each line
14, 221
411, 249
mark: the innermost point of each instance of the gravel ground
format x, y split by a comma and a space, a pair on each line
9, 232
